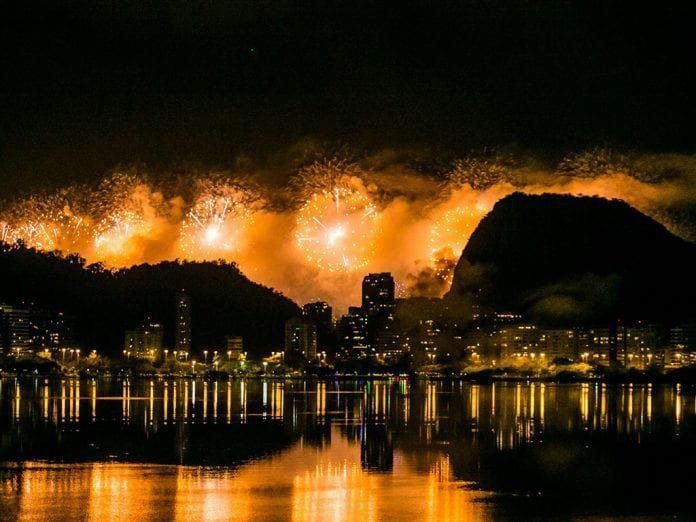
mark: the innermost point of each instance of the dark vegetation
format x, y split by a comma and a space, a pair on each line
104, 303
574, 260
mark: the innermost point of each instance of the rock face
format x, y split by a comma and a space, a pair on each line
561, 258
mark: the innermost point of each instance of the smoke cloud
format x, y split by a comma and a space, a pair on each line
312, 228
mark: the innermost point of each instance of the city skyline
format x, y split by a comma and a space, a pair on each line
351, 261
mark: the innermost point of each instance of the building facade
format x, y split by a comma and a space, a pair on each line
301, 337
182, 337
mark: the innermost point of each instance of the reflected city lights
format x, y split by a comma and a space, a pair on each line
341, 445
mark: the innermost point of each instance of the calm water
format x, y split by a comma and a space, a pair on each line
343, 450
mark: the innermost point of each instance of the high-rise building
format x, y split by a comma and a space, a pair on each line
639, 344
234, 346
25, 328
378, 293
301, 337
145, 341
15, 329
681, 345
558, 342
51, 330
182, 341
683, 337
320, 312
352, 332
515, 340
378, 305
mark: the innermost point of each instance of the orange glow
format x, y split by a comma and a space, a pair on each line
336, 230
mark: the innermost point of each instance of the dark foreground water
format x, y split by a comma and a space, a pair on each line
344, 450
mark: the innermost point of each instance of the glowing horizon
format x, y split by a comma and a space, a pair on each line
335, 222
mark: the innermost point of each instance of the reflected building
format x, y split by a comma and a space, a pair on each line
376, 448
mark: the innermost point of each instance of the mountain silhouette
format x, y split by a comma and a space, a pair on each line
105, 303
560, 258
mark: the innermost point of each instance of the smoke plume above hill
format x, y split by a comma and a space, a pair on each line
312, 226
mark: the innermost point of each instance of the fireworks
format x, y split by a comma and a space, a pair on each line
333, 222
112, 241
53, 232
325, 175
336, 229
449, 236
5, 232
46, 224
479, 174
217, 223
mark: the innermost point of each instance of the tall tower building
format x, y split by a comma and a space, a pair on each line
378, 293
15, 329
301, 337
320, 312
378, 305
183, 322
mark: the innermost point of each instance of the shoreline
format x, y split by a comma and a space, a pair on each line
674, 378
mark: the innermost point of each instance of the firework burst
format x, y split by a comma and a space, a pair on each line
594, 163
448, 238
115, 234
5, 232
48, 223
325, 175
217, 223
336, 229
479, 174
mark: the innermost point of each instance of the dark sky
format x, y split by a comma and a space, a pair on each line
88, 85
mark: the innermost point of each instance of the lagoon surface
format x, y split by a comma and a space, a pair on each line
393, 449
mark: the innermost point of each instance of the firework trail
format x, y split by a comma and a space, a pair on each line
218, 223
336, 229
479, 173
49, 223
449, 235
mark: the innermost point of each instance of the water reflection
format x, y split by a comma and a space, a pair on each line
347, 449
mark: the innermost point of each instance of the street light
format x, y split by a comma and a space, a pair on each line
205, 355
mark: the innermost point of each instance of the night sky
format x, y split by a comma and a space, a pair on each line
91, 85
